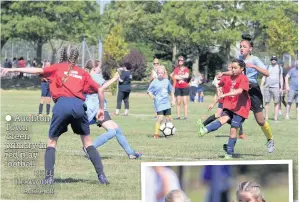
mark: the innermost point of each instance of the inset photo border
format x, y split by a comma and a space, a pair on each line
217, 181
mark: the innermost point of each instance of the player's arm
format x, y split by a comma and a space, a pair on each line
151, 90
232, 93
24, 70
215, 101
111, 81
227, 73
260, 67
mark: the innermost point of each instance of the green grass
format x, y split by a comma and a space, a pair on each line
77, 178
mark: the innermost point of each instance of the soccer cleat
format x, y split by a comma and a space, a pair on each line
86, 154
136, 155
156, 136
270, 146
203, 131
103, 179
228, 156
199, 125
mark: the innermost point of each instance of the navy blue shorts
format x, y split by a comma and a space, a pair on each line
69, 110
45, 87
220, 105
236, 120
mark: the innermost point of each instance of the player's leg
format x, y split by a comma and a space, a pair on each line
256, 98
216, 124
291, 97
202, 95
267, 98
276, 100
110, 127
41, 105
215, 116
48, 100
159, 120
120, 96
126, 102
178, 103
185, 103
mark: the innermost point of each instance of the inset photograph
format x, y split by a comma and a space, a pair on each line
229, 181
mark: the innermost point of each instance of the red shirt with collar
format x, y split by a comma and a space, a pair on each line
239, 104
77, 81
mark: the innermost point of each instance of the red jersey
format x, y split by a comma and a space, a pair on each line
239, 104
75, 85
181, 83
224, 89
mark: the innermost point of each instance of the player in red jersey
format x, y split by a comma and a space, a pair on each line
236, 104
67, 85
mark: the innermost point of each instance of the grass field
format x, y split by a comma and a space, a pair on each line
76, 178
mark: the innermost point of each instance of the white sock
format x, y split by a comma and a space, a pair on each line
117, 111
126, 111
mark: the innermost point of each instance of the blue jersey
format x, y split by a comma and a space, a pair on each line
92, 100
160, 89
252, 73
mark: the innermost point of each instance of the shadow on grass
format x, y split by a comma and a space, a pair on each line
69, 180
222, 136
237, 156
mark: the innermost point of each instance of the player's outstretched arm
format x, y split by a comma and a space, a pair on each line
111, 81
233, 93
23, 70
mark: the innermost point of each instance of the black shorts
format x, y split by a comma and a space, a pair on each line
236, 120
181, 91
106, 118
165, 112
256, 98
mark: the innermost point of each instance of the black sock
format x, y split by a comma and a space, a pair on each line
210, 119
95, 158
40, 109
50, 161
48, 109
241, 130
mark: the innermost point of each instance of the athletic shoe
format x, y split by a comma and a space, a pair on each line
185, 118
177, 118
279, 113
287, 117
103, 179
228, 156
203, 131
225, 147
156, 136
48, 180
86, 154
136, 155
199, 125
270, 146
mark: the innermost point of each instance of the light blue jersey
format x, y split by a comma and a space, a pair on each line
252, 73
160, 89
92, 100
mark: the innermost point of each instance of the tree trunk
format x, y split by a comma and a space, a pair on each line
195, 66
39, 49
174, 52
53, 59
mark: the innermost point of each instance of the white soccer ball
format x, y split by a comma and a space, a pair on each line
167, 129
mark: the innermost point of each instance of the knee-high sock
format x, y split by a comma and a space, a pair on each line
49, 161
102, 139
95, 158
123, 142
48, 108
230, 145
157, 128
267, 131
214, 126
210, 119
40, 108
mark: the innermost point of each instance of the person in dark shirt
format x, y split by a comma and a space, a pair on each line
124, 88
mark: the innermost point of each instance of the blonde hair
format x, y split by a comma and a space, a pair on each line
176, 196
161, 67
253, 188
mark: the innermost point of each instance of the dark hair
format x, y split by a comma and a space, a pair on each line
240, 62
128, 65
247, 37
106, 72
73, 59
91, 64
63, 55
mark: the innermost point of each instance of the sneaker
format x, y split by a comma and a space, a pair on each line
243, 136
48, 180
270, 146
287, 117
86, 154
185, 118
225, 147
279, 113
199, 125
228, 156
136, 155
156, 136
103, 179
203, 131
177, 118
